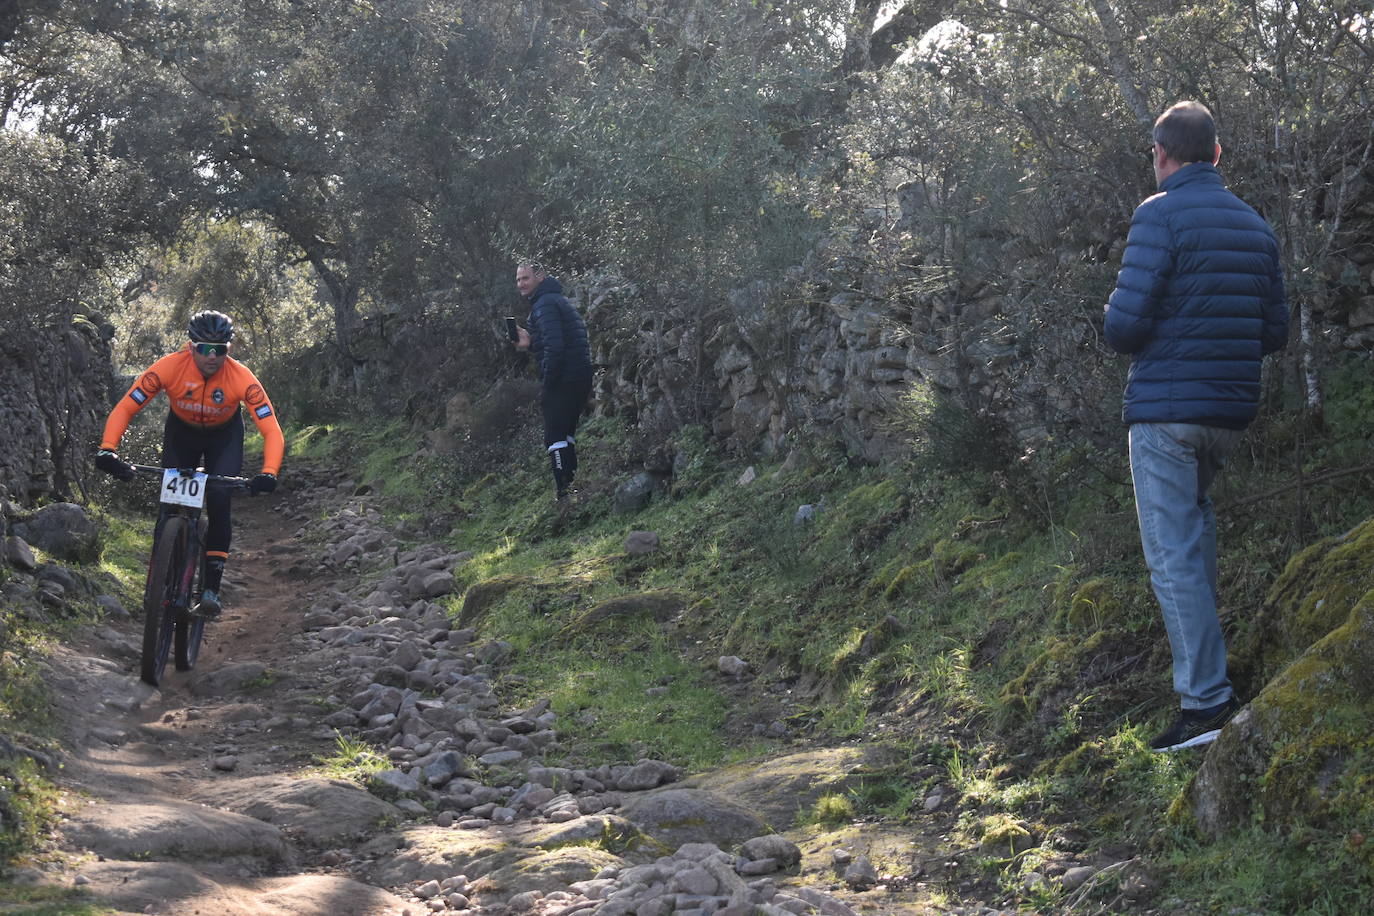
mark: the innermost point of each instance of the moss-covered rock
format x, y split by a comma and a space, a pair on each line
1056, 672
1001, 836
1303, 750
658, 605
782, 788
1313, 596
480, 597
1090, 606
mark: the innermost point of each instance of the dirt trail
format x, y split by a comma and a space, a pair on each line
197, 798
139, 760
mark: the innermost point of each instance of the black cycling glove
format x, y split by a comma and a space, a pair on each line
110, 463
263, 483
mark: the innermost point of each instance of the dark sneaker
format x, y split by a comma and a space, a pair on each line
1194, 727
209, 606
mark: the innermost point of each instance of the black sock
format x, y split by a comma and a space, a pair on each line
212, 573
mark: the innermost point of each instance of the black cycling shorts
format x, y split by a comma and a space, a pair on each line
220, 451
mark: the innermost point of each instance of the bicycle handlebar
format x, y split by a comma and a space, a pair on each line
240, 482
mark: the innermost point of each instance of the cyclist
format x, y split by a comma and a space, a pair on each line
204, 427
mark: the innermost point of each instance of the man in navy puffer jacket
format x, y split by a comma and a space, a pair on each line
1198, 303
558, 339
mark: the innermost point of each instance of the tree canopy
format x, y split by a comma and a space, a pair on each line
405, 149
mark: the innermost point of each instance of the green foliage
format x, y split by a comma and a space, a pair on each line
353, 759
1306, 871
890, 797
1349, 416
27, 806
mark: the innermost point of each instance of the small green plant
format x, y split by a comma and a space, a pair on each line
954, 766
262, 681
832, 810
887, 797
353, 759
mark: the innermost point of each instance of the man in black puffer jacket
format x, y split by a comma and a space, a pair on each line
557, 337
1198, 303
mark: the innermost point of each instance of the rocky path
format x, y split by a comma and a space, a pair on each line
207, 797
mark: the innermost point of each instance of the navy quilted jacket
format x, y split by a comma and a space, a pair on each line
558, 336
1198, 302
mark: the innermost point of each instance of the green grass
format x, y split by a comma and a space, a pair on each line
125, 544
28, 804
47, 901
1308, 872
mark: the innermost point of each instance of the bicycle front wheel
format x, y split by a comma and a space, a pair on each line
190, 627
161, 597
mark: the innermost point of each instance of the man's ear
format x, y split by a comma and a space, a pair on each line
1216, 154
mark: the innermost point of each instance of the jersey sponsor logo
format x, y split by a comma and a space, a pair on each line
138, 396
263, 411
217, 395
150, 383
254, 396
197, 407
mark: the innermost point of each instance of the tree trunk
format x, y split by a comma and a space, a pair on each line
1120, 63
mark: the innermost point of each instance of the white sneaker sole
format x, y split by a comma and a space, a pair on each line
1195, 741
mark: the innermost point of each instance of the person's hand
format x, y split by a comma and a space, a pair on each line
110, 463
263, 483
522, 339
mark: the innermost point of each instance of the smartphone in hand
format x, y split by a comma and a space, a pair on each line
511, 330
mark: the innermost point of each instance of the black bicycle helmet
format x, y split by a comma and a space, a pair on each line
211, 327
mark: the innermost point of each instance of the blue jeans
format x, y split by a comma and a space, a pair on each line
1172, 465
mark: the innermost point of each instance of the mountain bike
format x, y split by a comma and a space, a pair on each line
174, 569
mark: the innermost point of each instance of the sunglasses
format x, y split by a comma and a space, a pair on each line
210, 349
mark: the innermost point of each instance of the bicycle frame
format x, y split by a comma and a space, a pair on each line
173, 566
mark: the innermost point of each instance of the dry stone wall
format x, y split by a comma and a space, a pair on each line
833, 347
54, 394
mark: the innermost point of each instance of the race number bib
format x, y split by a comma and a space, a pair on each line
182, 490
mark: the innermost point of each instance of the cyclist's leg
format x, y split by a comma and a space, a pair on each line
223, 449
179, 450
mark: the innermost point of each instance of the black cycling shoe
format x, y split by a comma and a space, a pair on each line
208, 607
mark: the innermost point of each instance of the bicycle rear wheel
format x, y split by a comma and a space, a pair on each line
190, 627
160, 597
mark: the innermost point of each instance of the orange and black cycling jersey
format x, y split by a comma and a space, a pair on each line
204, 403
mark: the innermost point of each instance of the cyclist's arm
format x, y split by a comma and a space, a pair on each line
143, 390
265, 418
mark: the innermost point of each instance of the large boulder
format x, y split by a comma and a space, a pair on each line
317, 811
176, 830
547, 871
777, 789
436, 853
1300, 751
171, 887
677, 816
63, 530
